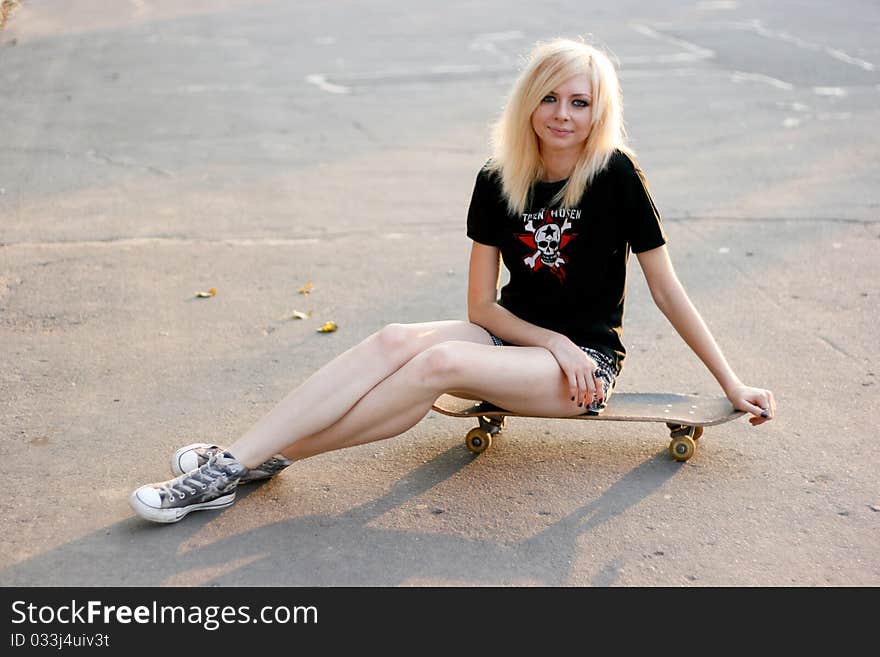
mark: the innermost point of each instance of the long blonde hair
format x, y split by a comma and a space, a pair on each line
516, 155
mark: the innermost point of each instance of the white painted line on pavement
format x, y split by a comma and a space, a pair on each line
126, 242
321, 82
487, 42
830, 91
717, 4
692, 53
842, 56
759, 28
741, 76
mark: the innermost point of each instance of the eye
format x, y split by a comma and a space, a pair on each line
549, 98
578, 102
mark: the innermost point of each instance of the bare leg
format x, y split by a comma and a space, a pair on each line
332, 391
527, 380
522, 379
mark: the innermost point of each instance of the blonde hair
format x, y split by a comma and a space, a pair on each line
515, 151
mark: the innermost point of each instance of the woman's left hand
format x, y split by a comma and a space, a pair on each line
757, 401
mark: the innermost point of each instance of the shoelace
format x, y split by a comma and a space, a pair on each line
210, 452
203, 477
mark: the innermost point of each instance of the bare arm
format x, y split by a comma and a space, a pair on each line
674, 303
484, 310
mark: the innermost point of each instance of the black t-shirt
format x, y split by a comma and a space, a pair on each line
568, 265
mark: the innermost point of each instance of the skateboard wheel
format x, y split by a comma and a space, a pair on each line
478, 440
698, 431
682, 448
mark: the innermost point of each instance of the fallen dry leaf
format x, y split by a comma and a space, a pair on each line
328, 327
205, 295
6, 9
305, 289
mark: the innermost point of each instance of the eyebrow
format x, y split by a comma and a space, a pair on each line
556, 93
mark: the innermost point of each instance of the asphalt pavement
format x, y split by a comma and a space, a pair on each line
154, 150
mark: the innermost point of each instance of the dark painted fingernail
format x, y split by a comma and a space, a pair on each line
572, 399
581, 404
765, 414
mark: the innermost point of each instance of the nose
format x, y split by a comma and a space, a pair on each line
561, 112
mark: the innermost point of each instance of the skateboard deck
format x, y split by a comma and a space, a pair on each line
684, 415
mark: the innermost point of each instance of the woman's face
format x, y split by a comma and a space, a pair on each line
565, 115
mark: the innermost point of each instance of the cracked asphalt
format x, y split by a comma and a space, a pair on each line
152, 150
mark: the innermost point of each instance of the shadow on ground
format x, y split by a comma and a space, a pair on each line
339, 550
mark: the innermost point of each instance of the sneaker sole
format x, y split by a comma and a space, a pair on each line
176, 514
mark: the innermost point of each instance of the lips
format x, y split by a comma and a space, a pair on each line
559, 132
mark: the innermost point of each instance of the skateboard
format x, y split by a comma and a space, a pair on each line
684, 415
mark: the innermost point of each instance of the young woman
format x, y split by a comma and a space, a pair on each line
563, 202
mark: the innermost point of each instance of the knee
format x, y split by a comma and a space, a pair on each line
439, 364
393, 338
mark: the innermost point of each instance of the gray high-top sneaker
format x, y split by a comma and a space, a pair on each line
192, 456
210, 486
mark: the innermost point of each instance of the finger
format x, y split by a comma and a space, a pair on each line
749, 407
582, 388
596, 380
765, 405
600, 386
767, 410
572, 386
591, 390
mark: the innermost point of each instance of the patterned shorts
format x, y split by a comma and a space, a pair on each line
605, 366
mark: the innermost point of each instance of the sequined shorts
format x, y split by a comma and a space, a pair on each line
605, 366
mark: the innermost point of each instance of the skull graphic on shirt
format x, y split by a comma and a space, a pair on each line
548, 239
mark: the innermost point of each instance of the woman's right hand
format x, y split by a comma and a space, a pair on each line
580, 370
